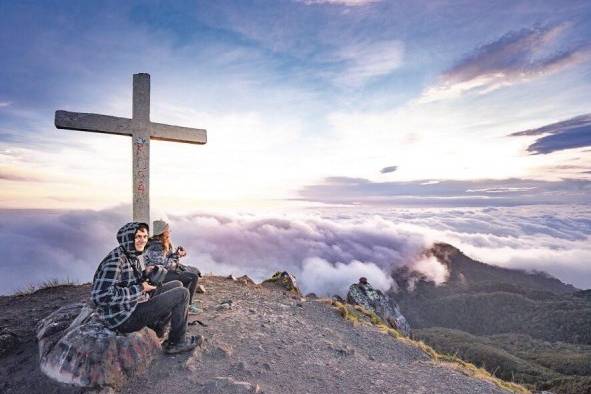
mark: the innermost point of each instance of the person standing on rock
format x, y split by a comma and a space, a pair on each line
160, 251
126, 302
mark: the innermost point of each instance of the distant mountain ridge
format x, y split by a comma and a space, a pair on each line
466, 272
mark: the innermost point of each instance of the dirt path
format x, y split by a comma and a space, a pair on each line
267, 340
276, 342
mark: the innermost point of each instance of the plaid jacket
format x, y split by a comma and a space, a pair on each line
116, 288
154, 255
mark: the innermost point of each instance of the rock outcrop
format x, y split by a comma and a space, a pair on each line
365, 295
284, 280
76, 348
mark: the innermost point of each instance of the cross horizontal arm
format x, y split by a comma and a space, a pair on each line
92, 122
163, 132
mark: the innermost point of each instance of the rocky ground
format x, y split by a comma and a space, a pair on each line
257, 339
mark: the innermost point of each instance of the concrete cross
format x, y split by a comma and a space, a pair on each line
141, 130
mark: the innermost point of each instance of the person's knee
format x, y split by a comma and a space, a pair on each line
181, 294
186, 295
175, 283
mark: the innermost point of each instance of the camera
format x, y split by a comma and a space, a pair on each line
156, 276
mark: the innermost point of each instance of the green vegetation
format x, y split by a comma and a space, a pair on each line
523, 327
359, 315
560, 367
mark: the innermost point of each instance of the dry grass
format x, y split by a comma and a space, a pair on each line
359, 315
32, 288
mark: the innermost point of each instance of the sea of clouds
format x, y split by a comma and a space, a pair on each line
327, 249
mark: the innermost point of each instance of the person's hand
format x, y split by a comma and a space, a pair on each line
149, 268
148, 287
181, 251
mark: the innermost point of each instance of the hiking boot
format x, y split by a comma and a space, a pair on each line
184, 346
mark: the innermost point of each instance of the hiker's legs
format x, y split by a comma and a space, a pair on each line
171, 303
167, 285
188, 279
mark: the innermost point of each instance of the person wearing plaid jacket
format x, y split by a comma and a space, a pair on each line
127, 303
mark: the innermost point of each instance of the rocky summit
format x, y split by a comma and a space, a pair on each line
258, 338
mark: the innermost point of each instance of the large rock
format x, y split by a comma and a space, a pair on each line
364, 294
284, 280
76, 348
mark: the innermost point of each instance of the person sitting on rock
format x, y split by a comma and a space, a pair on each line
126, 302
160, 251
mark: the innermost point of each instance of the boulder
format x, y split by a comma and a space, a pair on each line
8, 341
245, 280
365, 295
284, 280
76, 348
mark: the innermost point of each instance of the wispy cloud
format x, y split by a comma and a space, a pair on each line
348, 3
7, 174
449, 193
364, 61
567, 134
516, 57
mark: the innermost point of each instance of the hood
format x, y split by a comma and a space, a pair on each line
126, 237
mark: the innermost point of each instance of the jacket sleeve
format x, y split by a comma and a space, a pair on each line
105, 290
171, 261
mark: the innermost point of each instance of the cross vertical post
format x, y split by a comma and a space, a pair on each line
141, 148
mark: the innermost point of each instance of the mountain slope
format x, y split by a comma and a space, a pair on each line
264, 339
530, 328
484, 300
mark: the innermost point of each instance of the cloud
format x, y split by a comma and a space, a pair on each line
387, 170
348, 3
326, 248
328, 278
325, 256
554, 239
9, 175
432, 268
516, 57
362, 61
449, 193
567, 134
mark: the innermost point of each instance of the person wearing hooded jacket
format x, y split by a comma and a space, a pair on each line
161, 251
126, 302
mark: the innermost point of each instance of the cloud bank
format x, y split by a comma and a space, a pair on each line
449, 193
324, 255
327, 249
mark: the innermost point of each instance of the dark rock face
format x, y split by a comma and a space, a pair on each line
8, 341
76, 348
364, 294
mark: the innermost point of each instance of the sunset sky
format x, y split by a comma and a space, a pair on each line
347, 103
368, 101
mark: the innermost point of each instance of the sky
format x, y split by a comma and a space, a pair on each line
438, 107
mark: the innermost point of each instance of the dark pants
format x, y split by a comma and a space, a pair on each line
168, 302
188, 279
